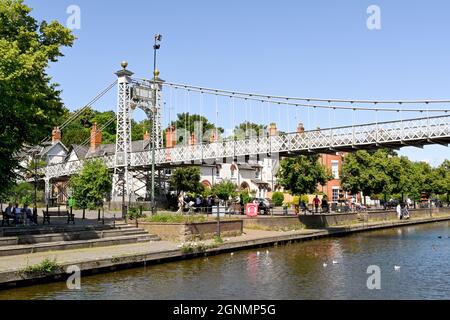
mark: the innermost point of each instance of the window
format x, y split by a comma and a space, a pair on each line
335, 169
218, 172
257, 174
233, 171
335, 196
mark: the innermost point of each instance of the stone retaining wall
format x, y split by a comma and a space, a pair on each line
193, 231
324, 221
274, 223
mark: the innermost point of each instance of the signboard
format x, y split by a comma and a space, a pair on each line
251, 210
142, 93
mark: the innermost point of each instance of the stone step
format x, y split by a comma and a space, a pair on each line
80, 244
35, 230
74, 236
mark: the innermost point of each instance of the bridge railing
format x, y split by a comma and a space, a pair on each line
308, 141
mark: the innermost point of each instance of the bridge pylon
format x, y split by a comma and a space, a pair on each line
122, 160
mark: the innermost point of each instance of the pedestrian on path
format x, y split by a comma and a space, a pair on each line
316, 202
399, 211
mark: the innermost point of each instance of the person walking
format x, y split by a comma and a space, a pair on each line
8, 214
325, 208
316, 202
180, 203
399, 211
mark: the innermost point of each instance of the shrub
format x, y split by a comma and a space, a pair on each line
278, 199
134, 213
176, 218
46, 267
246, 198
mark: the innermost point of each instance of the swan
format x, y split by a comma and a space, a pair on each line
397, 268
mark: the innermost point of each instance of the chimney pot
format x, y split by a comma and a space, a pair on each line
96, 137
56, 135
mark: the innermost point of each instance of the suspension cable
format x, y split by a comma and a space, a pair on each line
270, 99
421, 101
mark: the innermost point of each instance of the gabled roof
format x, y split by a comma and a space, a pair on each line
110, 149
79, 150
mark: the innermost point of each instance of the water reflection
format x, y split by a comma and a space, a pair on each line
294, 271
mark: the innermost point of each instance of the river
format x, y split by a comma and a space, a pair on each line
294, 271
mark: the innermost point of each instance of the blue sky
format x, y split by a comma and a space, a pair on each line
294, 48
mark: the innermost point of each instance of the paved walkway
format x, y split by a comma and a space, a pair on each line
14, 263
251, 237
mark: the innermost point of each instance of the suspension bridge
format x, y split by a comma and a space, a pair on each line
430, 125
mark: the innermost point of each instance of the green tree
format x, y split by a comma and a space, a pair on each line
249, 129
79, 130
246, 197
187, 180
224, 190
372, 173
30, 103
278, 199
22, 193
194, 123
91, 185
442, 180
303, 174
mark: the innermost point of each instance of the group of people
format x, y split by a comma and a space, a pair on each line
20, 215
317, 203
196, 204
403, 211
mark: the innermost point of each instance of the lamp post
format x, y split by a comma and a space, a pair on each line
35, 164
156, 47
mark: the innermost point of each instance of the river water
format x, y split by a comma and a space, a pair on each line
294, 271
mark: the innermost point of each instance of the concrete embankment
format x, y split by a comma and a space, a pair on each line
98, 260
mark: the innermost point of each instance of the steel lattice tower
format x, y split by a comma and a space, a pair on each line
122, 160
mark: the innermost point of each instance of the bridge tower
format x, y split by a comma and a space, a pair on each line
122, 160
131, 95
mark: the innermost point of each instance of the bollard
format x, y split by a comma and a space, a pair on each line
218, 220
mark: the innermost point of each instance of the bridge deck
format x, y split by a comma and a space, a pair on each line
392, 134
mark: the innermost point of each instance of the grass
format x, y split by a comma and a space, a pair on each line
46, 267
275, 228
178, 218
175, 218
187, 248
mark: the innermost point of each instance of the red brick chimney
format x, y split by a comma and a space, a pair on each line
213, 138
56, 135
273, 130
193, 140
171, 137
96, 137
146, 136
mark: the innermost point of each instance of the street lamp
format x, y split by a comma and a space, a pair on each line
156, 47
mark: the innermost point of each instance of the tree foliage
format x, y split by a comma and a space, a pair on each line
224, 190
303, 174
250, 129
385, 173
91, 185
278, 199
30, 102
187, 180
